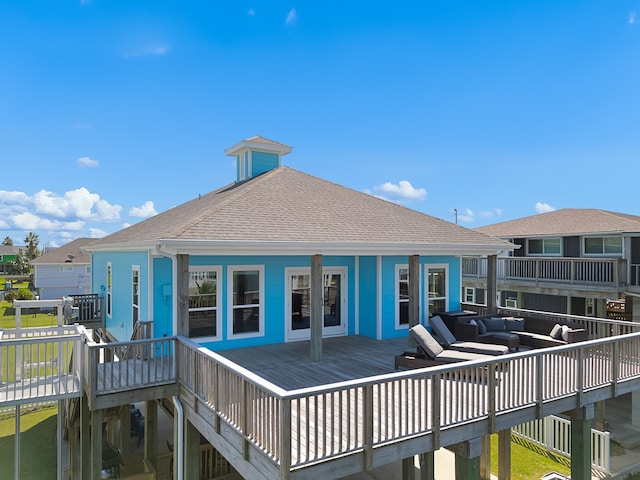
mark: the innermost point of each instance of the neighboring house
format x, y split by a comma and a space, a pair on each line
63, 271
8, 253
569, 261
246, 252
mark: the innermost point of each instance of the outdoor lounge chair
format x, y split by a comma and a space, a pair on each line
430, 353
450, 342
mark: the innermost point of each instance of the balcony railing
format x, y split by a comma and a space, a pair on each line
571, 271
635, 275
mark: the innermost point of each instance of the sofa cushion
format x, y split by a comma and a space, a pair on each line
514, 324
495, 324
425, 341
564, 334
556, 332
482, 328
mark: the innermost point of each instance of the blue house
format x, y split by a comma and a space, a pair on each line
239, 266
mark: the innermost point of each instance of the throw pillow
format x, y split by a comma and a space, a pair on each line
565, 333
556, 332
473, 322
494, 324
482, 328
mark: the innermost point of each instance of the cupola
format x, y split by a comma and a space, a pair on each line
256, 155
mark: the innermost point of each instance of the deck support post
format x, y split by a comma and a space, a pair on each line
96, 444
182, 292
504, 454
414, 294
151, 432
581, 441
85, 439
427, 466
485, 459
317, 318
125, 430
408, 469
492, 284
467, 463
191, 450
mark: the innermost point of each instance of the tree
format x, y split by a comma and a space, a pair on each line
32, 241
19, 266
8, 241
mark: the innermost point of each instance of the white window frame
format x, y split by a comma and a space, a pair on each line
218, 308
427, 298
333, 331
109, 290
544, 252
231, 269
66, 268
466, 295
135, 308
397, 299
602, 238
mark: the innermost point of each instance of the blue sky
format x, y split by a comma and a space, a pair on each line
112, 111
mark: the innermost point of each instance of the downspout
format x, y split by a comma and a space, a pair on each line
178, 450
174, 279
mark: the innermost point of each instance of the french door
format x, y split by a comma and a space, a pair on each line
298, 304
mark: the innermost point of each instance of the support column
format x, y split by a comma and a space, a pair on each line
492, 284
151, 433
182, 289
467, 463
635, 395
504, 454
427, 466
581, 442
485, 459
191, 451
96, 445
85, 437
408, 469
124, 437
414, 294
316, 317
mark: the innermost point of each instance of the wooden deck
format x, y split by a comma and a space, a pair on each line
344, 358
38, 389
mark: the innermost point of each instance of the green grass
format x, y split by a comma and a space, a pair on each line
529, 463
27, 319
38, 454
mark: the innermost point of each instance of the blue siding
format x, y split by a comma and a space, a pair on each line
162, 297
120, 323
263, 162
368, 296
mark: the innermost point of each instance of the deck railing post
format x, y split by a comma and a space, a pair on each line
367, 426
285, 439
435, 410
539, 385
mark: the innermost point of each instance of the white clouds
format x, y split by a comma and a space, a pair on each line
87, 162
75, 203
467, 215
402, 192
632, 18
145, 211
97, 233
29, 221
541, 207
19, 198
292, 17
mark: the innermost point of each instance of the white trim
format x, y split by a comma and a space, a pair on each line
135, 269
464, 294
217, 269
109, 290
396, 296
427, 299
261, 303
334, 331
543, 253
379, 297
279, 148
603, 254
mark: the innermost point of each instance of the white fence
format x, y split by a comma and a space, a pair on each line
554, 434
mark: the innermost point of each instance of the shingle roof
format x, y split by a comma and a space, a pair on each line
61, 254
568, 221
285, 205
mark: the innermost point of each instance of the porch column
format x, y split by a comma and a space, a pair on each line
504, 454
427, 466
96, 445
182, 293
85, 437
191, 450
414, 293
467, 463
316, 317
492, 283
485, 459
124, 436
581, 441
408, 469
151, 432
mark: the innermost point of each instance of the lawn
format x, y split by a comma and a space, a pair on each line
529, 463
28, 319
38, 441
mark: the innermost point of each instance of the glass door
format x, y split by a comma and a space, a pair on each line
298, 306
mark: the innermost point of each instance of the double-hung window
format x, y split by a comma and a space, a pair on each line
402, 295
204, 301
246, 300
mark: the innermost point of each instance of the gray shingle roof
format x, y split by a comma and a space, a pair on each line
61, 254
285, 205
568, 221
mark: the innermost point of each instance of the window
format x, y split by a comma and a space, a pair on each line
469, 295
109, 289
66, 268
437, 289
246, 302
203, 301
402, 295
544, 246
603, 246
135, 294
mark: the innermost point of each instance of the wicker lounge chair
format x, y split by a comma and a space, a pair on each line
450, 342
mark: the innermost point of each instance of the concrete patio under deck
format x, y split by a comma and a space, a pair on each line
290, 367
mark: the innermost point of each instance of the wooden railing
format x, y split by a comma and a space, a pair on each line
90, 308
635, 275
572, 271
302, 427
595, 327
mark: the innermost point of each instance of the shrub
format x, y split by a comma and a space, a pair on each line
20, 294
